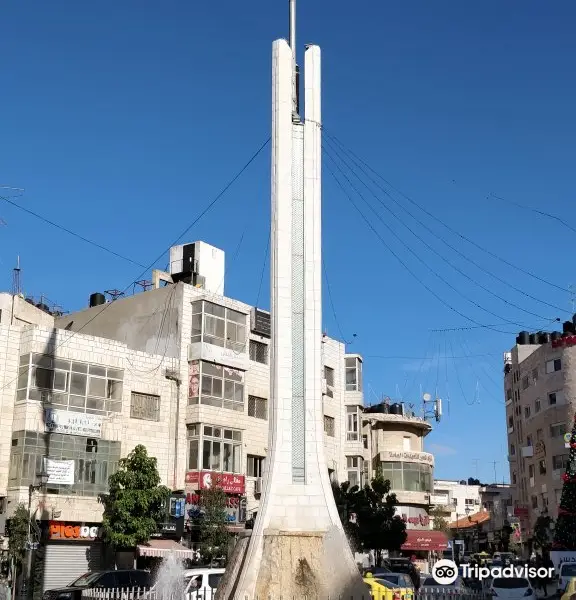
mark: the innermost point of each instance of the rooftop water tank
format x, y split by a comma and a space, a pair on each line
97, 299
533, 338
555, 336
523, 338
396, 409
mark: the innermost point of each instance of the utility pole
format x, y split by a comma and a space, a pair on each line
494, 463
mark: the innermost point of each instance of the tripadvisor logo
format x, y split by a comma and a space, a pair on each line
445, 572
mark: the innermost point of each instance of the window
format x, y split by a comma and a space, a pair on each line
537, 405
365, 441
329, 377
354, 465
525, 382
218, 325
512, 450
257, 407
259, 352
413, 477
514, 477
353, 374
469, 501
214, 448
527, 412
145, 406
553, 365
352, 423
557, 430
539, 435
91, 468
554, 398
542, 467
510, 421
528, 440
560, 461
535, 375
66, 385
406, 443
534, 501
509, 395
329, 426
220, 386
531, 471
254, 465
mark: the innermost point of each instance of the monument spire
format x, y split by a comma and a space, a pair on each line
295, 69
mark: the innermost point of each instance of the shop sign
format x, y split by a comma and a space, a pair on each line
415, 518
421, 457
59, 471
73, 423
204, 480
521, 512
235, 508
60, 530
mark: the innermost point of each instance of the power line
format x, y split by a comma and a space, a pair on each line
431, 248
452, 230
175, 242
70, 232
384, 357
266, 254
331, 301
535, 210
403, 263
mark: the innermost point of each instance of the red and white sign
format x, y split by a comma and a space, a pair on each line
204, 480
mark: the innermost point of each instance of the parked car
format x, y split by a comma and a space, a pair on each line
570, 591
512, 588
381, 589
405, 565
402, 580
126, 578
455, 586
202, 582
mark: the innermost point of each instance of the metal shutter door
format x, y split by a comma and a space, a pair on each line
63, 563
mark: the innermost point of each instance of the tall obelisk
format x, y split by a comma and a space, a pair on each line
297, 547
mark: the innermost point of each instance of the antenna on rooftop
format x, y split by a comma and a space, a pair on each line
16, 279
114, 294
145, 284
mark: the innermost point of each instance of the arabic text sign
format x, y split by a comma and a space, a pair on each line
59, 471
73, 423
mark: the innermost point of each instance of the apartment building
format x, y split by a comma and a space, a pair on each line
394, 444
540, 388
179, 368
454, 499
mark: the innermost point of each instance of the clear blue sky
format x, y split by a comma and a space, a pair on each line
122, 120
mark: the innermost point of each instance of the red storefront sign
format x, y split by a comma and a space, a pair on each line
569, 340
195, 500
422, 520
425, 540
204, 480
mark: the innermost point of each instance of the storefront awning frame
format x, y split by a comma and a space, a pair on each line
163, 548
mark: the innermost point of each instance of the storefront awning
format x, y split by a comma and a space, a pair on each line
163, 548
425, 540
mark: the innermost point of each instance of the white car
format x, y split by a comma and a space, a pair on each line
512, 588
202, 582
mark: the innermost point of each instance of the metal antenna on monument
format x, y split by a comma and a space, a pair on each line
114, 294
16, 279
435, 412
295, 68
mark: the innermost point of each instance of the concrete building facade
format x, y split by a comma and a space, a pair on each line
540, 391
454, 499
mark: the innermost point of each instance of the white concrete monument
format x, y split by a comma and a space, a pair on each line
297, 548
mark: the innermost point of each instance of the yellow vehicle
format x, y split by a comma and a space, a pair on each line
570, 590
380, 589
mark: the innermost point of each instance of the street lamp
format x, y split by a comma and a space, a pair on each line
42, 480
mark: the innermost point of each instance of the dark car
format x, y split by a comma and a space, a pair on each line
129, 578
405, 565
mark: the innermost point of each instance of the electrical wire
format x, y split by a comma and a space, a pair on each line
459, 380
404, 264
331, 302
445, 225
70, 232
266, 255
430, 247
70, 334
405, 390
535, 210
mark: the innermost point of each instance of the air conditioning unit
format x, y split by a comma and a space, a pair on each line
258, 486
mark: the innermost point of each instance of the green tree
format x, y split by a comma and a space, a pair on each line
542, 532
345, 498
134, 504
18, 536
439, 521
213, 524
372, 523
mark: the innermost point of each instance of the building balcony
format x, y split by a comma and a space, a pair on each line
405, 497
411, 420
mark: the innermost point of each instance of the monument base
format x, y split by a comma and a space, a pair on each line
296, 564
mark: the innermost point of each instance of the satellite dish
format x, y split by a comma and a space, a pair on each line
426, 397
